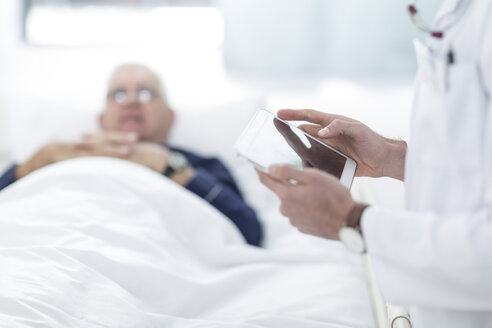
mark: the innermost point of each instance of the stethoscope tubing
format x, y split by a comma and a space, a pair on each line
437, 33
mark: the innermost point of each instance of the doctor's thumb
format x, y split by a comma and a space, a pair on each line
335, 128
324, 132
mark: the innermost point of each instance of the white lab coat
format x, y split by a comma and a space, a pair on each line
436, 256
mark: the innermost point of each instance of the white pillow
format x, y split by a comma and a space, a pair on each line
32, 122
213, 131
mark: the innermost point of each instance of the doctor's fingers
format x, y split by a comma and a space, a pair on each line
308, 115
342, 127
311, 129
288, 173
280, 188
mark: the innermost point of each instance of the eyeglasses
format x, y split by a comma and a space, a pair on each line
144, 96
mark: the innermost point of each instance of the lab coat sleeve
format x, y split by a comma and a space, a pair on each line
486, 58
427, 260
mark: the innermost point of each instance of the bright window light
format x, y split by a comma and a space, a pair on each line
191, 27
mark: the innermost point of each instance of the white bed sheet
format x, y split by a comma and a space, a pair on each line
99, 242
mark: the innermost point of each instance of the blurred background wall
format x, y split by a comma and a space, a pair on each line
256, 38
55, 51
320, 37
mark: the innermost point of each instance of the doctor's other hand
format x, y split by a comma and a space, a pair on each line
317, 204
376, 156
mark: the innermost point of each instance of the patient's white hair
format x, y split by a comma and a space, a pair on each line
125, 66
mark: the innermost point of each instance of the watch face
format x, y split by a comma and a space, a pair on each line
178, 161
352, 239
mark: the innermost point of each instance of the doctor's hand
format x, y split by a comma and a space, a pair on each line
376, 156
312, 155
318, 204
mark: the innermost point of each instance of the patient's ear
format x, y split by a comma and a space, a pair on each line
172, 115
168, 122
101, 121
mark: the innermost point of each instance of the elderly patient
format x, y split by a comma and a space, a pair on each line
135, 125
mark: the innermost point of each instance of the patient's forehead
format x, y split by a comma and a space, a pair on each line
133, 76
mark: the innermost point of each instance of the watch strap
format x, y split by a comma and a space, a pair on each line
354, 217
169, 171
176, 162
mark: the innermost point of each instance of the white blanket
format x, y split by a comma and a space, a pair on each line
100, 242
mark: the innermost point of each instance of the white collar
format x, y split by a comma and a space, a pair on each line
448, 11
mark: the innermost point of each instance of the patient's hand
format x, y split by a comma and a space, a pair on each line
155, 157
60, 151
126, 145
111, 144
119, 142
149, 154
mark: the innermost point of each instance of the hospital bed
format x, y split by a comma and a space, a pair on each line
100, 242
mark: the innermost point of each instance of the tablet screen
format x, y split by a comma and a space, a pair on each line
269, 140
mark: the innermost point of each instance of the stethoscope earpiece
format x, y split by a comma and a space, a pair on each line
436, 33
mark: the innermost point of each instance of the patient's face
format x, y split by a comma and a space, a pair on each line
135, 104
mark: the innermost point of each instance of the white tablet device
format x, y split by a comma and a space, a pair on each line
269, 140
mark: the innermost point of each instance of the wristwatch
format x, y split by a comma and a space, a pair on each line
351, 234
177, 162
